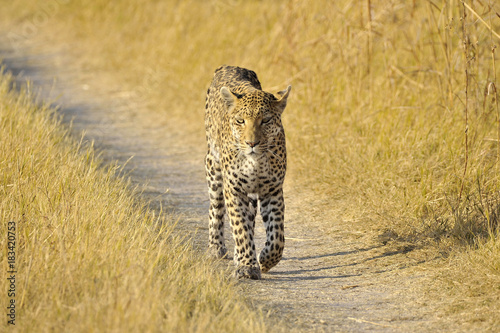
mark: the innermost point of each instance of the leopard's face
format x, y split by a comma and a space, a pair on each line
255, 120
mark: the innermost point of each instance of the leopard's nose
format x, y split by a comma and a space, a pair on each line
252, 143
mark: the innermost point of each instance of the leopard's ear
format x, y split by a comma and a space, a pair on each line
228, 97
282, 98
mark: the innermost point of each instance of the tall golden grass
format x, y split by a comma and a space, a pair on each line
89, 256
394, 114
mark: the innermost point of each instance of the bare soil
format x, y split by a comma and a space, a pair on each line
337, 273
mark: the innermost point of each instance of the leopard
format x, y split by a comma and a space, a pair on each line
245, 168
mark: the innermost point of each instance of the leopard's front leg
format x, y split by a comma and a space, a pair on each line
216, 243
241, 212
272, 209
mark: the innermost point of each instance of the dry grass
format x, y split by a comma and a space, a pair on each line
394, 112
90, 257
473, 283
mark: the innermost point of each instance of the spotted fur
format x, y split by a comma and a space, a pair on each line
245, 167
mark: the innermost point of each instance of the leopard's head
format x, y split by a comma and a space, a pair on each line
255, 119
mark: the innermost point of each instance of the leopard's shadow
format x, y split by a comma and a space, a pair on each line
309, 273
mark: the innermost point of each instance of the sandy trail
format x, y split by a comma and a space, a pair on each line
336, 278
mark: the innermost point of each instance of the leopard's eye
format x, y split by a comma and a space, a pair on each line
240, 121
266, 120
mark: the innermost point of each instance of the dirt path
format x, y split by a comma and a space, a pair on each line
336, 278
